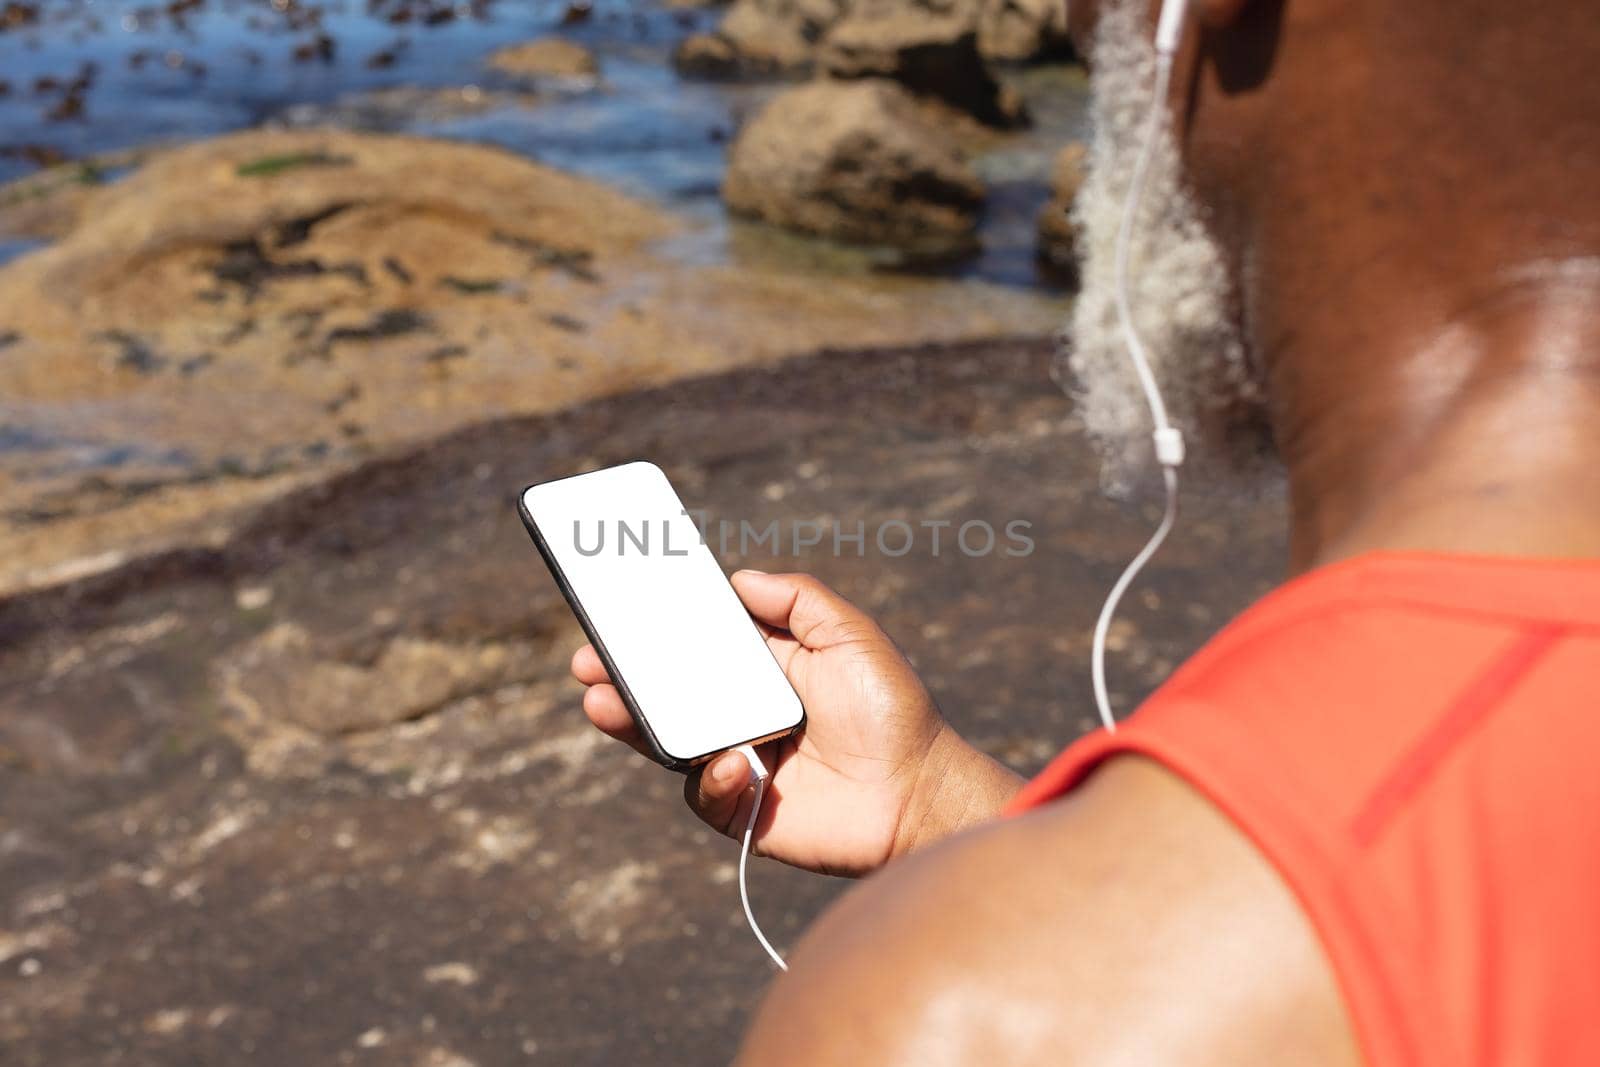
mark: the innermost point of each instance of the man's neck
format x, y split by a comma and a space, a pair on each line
1482, 439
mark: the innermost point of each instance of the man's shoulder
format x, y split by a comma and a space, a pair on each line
1128, 922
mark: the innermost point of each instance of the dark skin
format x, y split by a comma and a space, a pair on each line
1407, 193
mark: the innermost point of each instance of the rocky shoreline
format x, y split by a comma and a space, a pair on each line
767, 37
242, 315
290, 767
876, 149
322, 791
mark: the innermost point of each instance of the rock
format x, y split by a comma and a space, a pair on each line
546, 57
283, 678
760, 38
713, 57
232, 317
1057, 247
1014, 31
764, 37
931, 54
159, 859
399, 107
857, 162
783, 32
16, 14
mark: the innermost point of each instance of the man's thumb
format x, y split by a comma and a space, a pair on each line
715, 790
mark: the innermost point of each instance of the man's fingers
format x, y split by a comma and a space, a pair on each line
587, 668
714, 792
603, 704
798, 603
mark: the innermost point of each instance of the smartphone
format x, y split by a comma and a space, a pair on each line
693, 669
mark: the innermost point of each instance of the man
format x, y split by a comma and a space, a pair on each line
1363, 825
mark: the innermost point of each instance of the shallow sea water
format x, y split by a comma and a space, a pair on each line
171, 72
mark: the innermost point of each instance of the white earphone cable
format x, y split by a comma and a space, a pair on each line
1124, 254
1168, 440
1168, 446
758, 774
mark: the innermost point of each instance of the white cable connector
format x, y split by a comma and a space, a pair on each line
758, 770
1169, 447
758, 778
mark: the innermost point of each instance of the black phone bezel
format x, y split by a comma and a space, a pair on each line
659, 754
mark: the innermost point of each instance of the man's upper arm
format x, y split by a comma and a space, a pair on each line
1128, 923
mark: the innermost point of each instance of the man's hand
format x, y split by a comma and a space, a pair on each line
877, 771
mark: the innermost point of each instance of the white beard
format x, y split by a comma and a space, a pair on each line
1181, 292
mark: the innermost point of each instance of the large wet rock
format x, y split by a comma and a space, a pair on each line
400, 107
1058, 243
1015, 31
713, 57
549, 57
856, 161
760, 38
931, 53
322, 792
235, 317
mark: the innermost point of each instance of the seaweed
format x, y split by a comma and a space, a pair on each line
135, 354
392, 322
471, 286
271, 166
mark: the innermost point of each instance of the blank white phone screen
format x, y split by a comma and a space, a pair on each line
678, 637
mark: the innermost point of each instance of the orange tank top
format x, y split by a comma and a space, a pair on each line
1414, 742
